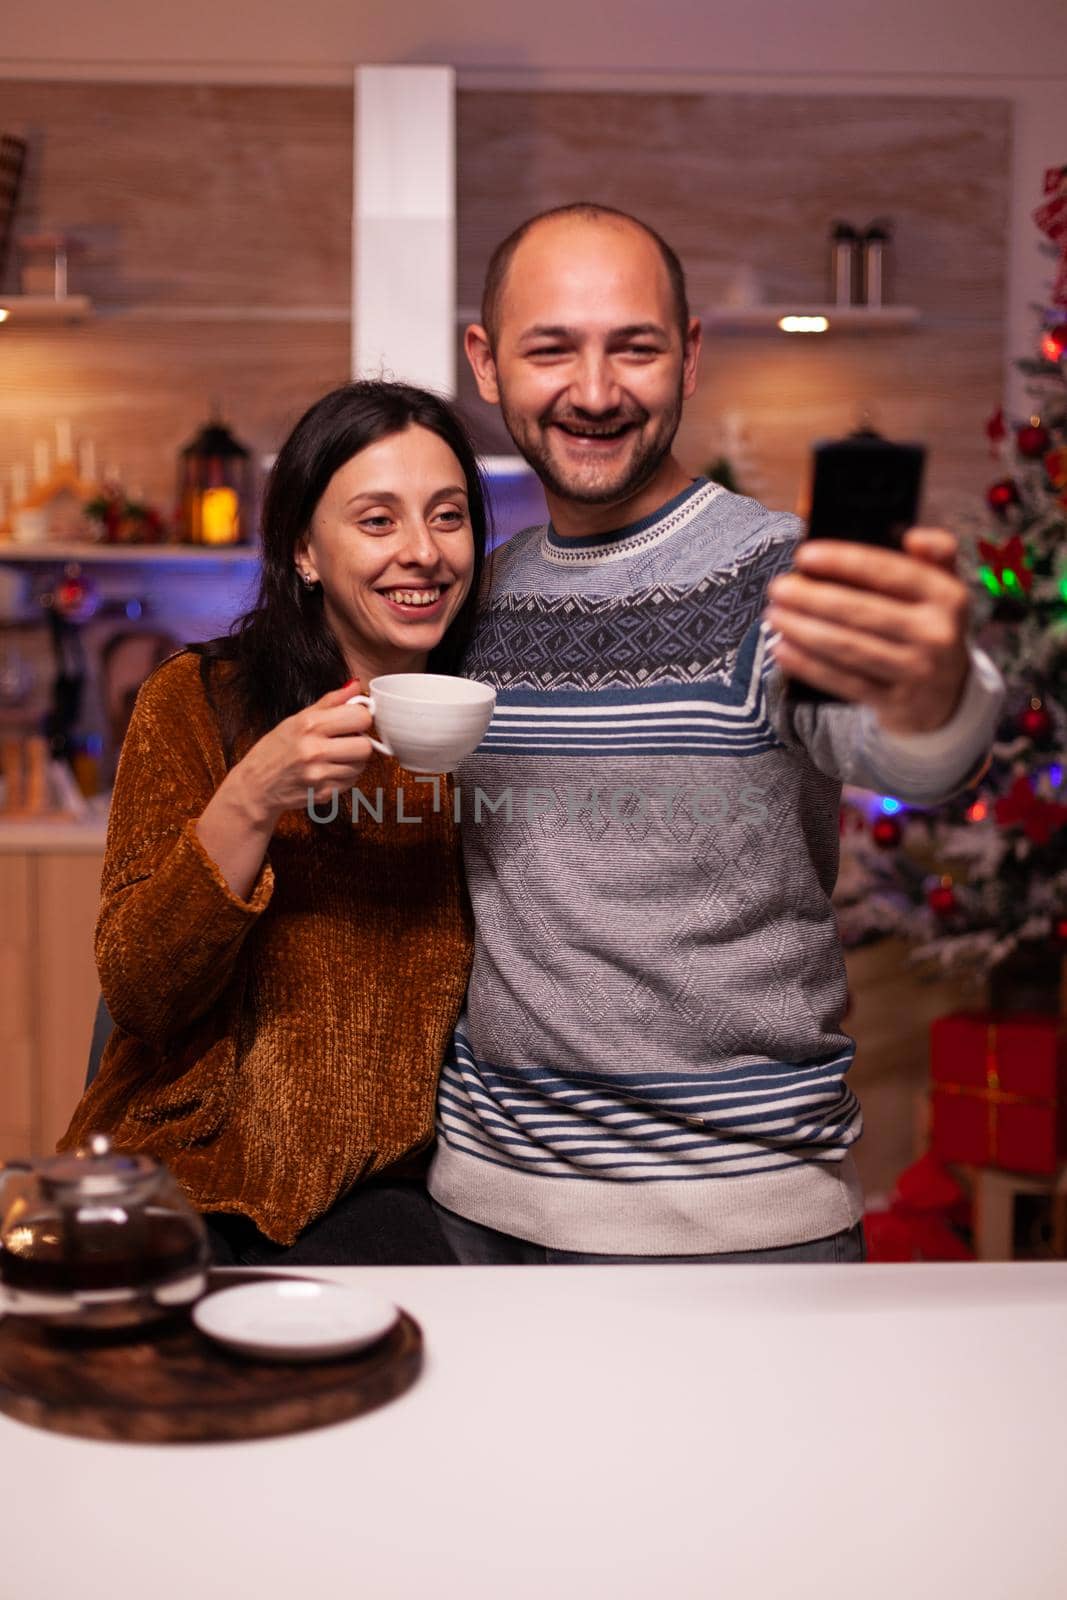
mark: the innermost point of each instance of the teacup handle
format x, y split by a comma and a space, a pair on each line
368, 701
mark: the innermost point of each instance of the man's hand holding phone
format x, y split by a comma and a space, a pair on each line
884, 628
872, 613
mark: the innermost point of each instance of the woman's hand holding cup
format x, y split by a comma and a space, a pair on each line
320, 749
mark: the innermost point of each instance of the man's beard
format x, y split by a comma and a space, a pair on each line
638, 471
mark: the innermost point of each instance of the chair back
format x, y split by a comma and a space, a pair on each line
102, 1026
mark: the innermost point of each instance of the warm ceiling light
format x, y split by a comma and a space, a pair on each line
803, 324
4, 313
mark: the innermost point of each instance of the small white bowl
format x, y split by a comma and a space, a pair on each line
295, 1319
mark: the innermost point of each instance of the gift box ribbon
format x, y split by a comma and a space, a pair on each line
993, 1094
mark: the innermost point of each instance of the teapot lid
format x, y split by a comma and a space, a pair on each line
95, 1169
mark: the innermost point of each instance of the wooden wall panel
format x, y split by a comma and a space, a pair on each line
936, 385
755, 178
192, 195
216, 223
733, 179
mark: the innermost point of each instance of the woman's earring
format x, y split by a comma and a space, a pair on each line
307, 580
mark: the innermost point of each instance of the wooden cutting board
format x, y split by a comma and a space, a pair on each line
172, 1384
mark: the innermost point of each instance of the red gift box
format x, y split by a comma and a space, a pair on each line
926, 1212
999, 1090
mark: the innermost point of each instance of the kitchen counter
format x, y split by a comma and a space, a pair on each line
613, 1433
59, 836
50, 894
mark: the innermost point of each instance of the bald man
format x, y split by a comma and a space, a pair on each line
651, 1064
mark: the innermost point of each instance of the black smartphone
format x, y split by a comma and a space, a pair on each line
867, 490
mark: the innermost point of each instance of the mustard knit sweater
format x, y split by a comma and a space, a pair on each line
272, 1051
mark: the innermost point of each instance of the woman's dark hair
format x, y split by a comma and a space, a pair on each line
283, 651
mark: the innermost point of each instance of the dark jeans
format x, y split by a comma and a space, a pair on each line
384, 1223
476, 1246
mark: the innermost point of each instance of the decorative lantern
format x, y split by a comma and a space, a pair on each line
214, 487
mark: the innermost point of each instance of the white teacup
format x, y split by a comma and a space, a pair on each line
428, 721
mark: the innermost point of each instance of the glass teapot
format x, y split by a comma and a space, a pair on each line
97, 1239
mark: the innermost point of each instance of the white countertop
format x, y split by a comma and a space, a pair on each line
614, 1433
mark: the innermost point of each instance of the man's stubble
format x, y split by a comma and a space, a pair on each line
639, 471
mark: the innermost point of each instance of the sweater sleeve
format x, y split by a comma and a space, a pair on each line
170, 930
847, 742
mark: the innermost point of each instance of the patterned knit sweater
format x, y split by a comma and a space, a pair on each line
651, 1060
272, 1051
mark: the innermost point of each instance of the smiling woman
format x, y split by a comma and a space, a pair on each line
395, 562
282, 988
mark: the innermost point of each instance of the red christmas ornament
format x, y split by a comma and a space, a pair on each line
1032, 440
1035, 722
885, 831
1059, 928
1039, 818
1054, 342
995, 429
1003, 494
942, 898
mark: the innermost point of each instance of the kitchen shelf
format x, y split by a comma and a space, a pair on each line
764, 318
23, 309
90, 554
24, 555
841, 319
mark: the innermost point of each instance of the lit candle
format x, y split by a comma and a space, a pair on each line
87, 461
42, 461
19, 484
64, 440
218, 516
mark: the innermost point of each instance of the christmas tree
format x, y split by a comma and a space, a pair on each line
969, 882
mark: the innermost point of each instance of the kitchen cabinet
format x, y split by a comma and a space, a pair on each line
49, 891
